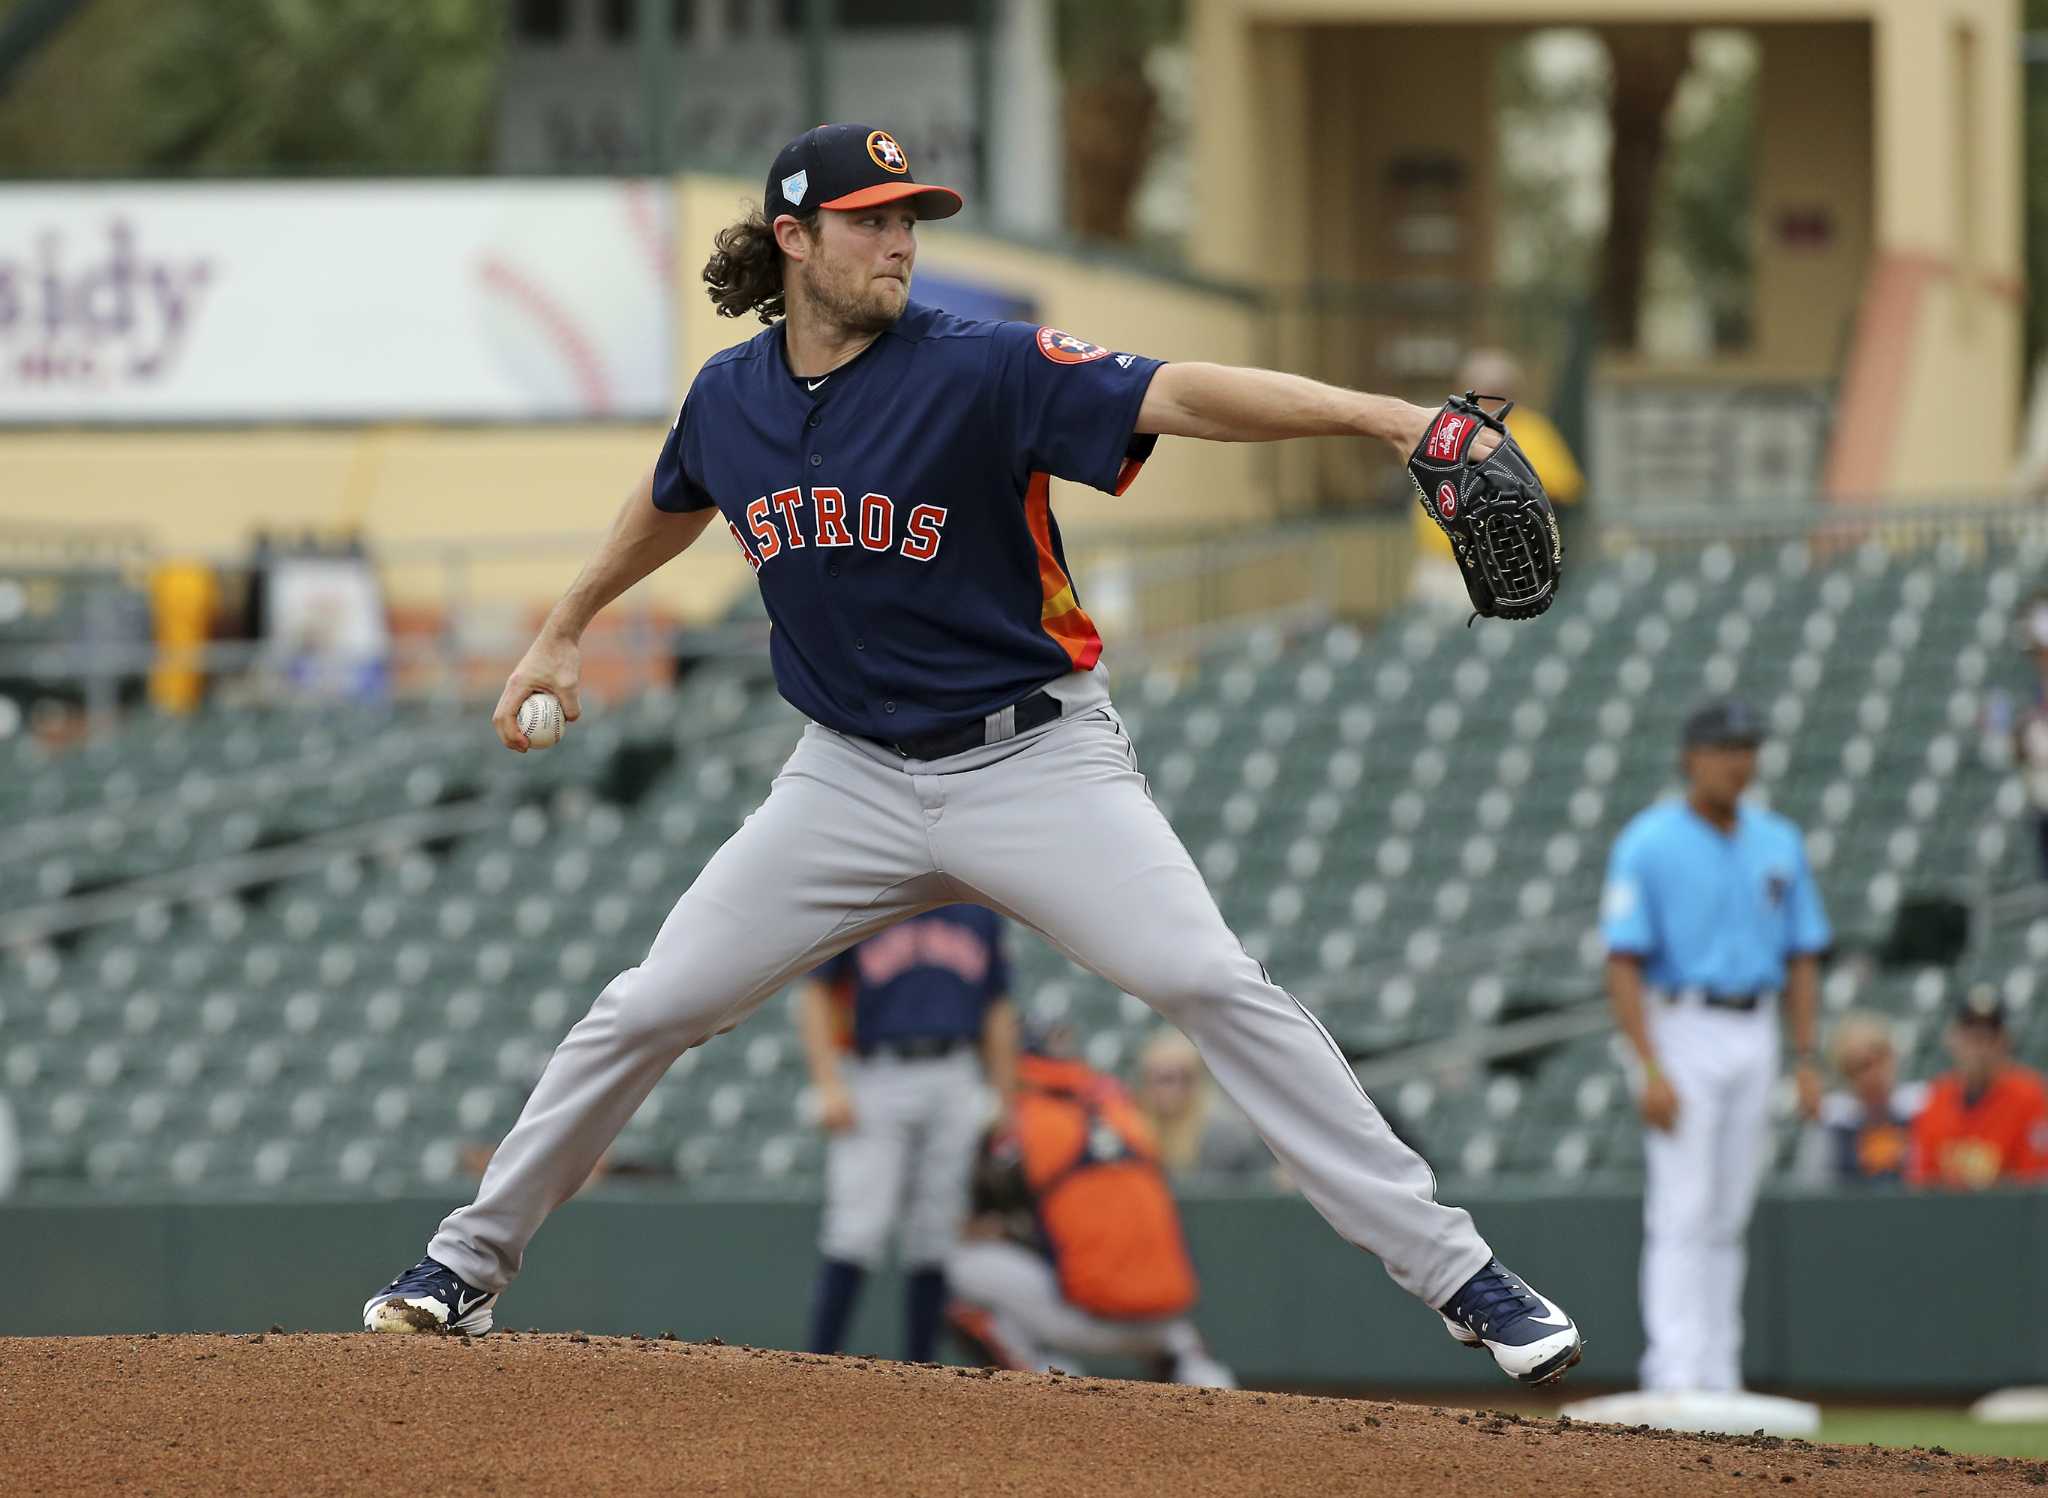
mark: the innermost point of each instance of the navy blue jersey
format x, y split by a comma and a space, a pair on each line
897, 515
1866, 1146
931, 976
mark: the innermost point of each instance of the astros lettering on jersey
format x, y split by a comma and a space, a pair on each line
898, 477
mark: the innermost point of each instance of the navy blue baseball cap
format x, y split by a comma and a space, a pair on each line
849, 166
1727, 724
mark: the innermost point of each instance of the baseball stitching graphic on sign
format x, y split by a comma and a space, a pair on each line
561, 302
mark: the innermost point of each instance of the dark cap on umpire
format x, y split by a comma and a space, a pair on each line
1727, 724
849, 166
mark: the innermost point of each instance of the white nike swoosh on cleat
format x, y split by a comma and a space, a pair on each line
464, 1303
1556, 1317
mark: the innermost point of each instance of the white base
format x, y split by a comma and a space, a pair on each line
2025, 1405
1729, 1413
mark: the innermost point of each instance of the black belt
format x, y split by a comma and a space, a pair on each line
916, 1047
1037, 709
1739, 1003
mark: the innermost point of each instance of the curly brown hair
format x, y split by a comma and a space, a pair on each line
744, 273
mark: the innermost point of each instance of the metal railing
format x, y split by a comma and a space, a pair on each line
1748, 445
1156, 596
1980, 526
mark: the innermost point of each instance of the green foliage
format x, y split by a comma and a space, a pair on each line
1702, 216
1546, 246
1094, 40
1705, 202
171, 87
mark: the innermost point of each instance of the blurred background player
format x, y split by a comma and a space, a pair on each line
1711, 918
1986, 1122
900, 1031
1199, 1132
1075, 1245
1864, 1132
1495, 372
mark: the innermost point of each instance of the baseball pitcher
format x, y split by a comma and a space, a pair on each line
885, 469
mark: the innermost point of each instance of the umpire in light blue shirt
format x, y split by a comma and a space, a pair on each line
1712, 924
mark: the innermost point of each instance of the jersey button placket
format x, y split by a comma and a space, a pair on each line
817, 460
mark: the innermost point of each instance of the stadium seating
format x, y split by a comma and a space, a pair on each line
1407, 824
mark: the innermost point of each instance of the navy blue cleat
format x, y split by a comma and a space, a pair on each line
1528, 1334
430, 1297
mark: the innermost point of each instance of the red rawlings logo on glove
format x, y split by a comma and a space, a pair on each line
1446, 500
1448, 436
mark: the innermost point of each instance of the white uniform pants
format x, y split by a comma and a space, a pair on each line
906, 1159
1700, 1188
1033, 1324
1054, 829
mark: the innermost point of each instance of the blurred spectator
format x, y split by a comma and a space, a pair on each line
1865, 1132
1074, 1244
1494, 372
10, 1150
1200, 1132
2029, 726
1986, 1122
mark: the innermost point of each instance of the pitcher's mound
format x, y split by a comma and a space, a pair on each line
1734, 1413
527, 1414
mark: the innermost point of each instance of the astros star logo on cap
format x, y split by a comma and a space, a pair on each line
888, 155
848, 166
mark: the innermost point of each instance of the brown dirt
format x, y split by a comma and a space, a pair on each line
523, 1413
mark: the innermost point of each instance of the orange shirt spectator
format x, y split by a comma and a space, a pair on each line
1986, 1122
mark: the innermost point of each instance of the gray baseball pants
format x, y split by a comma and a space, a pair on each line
1053, 828
902, 1170
1038, 1328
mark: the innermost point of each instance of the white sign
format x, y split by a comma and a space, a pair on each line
279, 302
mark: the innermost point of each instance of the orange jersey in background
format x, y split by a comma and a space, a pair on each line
1092, 1168
2001, 1136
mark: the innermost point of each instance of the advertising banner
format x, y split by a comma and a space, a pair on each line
430, 301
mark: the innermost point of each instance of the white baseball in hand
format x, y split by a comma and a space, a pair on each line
540, 719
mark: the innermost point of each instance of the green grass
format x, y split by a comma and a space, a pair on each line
1952, 1428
